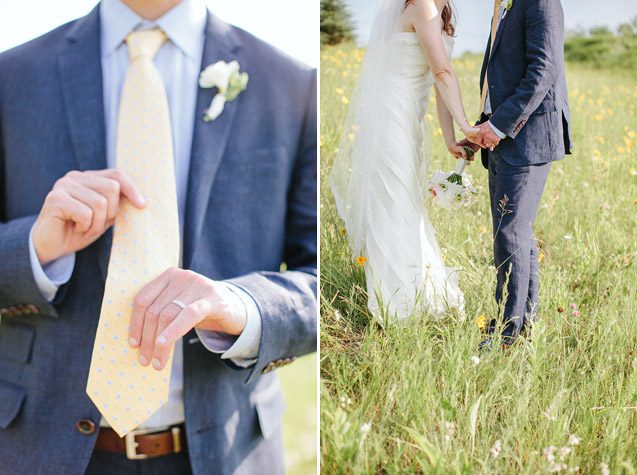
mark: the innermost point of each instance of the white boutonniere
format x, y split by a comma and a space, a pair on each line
228, 80
508, 6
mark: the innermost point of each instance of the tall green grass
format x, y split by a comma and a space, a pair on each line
415, 399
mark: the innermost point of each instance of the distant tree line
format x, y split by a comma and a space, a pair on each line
624, 30
336, 22
604, 48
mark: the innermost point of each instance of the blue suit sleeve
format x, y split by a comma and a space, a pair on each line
18, 287
544, 44
287, 300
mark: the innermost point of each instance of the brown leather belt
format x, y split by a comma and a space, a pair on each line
143, 443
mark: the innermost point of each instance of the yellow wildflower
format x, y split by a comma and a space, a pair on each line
481, 322
361, 260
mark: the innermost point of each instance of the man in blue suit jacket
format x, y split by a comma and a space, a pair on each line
246, 192
525, 127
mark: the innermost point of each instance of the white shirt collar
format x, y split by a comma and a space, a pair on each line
184, 25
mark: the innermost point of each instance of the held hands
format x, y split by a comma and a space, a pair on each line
79, 209
482, 135
471, 133
487, 138
157, 322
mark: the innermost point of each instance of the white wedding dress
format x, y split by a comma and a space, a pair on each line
380, 192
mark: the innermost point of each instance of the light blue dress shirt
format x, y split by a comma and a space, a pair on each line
487, 103
178, 62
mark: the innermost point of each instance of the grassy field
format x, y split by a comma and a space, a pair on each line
418, 399
300, 420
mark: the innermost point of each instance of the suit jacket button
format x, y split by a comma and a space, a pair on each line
85, 426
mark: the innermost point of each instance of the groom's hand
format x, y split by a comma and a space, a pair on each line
487, 138
79, 209
158, 322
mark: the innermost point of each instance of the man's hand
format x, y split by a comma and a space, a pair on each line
467, 143
487, 138
79, 209
157, 322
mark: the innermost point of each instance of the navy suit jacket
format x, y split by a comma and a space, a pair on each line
527, 84
251, 206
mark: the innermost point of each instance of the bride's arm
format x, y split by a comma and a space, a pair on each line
448, 129
425, 18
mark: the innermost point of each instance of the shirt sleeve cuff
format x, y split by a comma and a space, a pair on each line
241, 350
497, 131
50, 277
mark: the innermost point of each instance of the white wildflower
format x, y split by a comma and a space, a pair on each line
549, 416
564, 452
496, 448
573, 440
557, 467
549, 453
450, 430
475, 360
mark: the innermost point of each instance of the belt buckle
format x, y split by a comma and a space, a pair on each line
132, 444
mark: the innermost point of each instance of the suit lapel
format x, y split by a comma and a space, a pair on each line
209, 138
80, 71
498, 34
81, 78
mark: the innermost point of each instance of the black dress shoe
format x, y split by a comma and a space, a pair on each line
486, 345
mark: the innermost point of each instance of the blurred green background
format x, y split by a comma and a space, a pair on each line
300, 421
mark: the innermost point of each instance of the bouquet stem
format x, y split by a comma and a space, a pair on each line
460, 166
456, 176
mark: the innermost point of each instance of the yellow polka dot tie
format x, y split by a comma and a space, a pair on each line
145, 242
495, 22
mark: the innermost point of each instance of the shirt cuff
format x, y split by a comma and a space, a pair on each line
241, 350
50, 277
497, 131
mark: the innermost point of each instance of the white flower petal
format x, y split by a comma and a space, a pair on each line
216, 107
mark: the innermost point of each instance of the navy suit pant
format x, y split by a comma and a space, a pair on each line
515, 193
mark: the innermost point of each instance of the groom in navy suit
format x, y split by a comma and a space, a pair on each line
246, 195
525, 126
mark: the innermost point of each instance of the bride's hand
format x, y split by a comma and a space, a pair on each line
472, 134
457, 151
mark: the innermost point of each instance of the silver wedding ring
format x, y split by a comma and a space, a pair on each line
179, 303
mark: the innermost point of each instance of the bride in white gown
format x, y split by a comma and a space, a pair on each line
380, 174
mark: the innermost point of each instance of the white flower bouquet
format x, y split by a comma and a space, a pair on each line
453, 189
